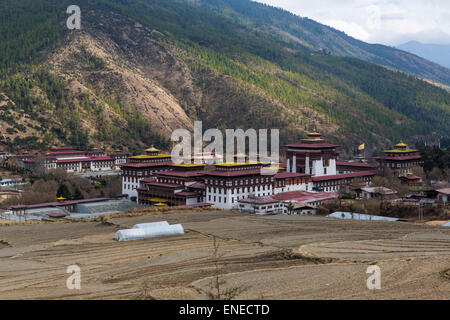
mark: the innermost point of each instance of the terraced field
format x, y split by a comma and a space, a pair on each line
276, 257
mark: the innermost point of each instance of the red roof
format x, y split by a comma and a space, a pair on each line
72, 160
305, 196
355, 164
198, 185
181, 174
146, 164
410, 177
57, 215
320, 145
86, 159
286, 175
165, 185
298, 196
186, 194
444, 191
260, 200
344, 176
149, 180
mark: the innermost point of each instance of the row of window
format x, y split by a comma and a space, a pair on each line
102, 165
218, 199
239, 182
150, 160
238, 168
139, 173
174, 181
239, 190
404, 165
130, 179
342, 181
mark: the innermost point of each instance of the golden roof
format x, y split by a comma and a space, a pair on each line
157, 200
401, 144
401, 147
144, 156
160, 204
400, 150
152, 149
313, 136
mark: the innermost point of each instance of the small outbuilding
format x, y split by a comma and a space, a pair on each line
376, 192
301, 208
443, 195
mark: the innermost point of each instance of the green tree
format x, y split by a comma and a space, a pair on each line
77, 195
64, 192
290, 207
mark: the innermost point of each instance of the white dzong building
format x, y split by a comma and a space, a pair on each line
312, 156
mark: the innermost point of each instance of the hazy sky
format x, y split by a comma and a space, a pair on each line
390, 22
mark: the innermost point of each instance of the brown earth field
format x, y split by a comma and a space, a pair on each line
261, 257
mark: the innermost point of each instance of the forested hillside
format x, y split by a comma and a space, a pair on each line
320, 37
141, 68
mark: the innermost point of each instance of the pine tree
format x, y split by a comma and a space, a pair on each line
64, 192
77, 195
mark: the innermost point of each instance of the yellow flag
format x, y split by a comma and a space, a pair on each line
361, 147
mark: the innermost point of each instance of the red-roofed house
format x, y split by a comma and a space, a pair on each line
411, 180
443, 195
71, 160
278, 203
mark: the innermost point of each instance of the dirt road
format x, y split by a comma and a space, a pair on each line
271, 257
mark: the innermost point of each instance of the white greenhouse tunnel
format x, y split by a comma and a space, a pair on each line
151, 225
152, 231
